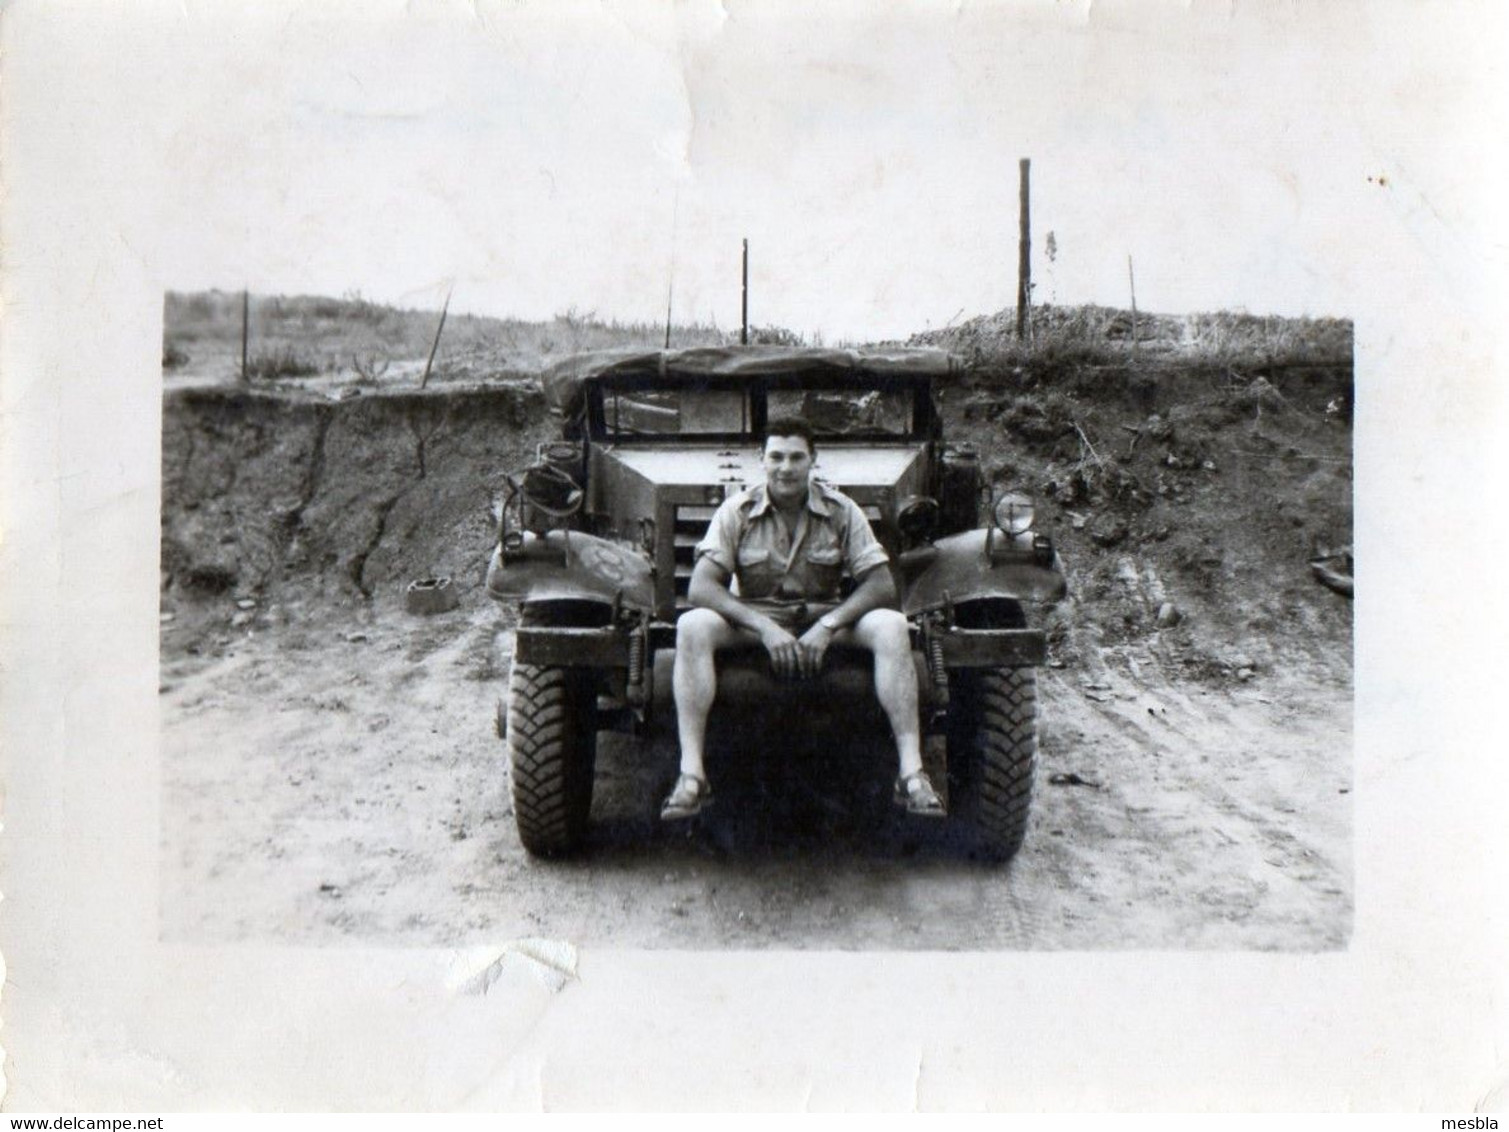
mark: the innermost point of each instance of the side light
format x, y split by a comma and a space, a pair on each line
549, 497
549, 490
1014, 512
917, 517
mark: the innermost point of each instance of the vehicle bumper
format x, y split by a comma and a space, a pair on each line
608, 647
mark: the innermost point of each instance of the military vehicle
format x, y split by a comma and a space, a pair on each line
596, 546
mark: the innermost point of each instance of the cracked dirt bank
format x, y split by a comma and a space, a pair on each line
338, 498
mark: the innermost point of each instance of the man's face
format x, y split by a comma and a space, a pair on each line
788, 462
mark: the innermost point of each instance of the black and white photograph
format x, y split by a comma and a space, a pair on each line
866, 497
1116, 547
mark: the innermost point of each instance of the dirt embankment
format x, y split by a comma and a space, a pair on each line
271, 494
1187, 502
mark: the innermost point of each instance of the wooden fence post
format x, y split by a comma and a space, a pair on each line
435, 345
245, 321
1024, 252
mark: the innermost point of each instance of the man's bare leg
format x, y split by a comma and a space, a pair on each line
884, 632
700, 633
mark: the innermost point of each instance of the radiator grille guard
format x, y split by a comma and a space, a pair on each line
690, 527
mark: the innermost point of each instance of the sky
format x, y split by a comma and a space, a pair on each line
601, 158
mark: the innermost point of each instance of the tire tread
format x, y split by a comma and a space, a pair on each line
993, 755
550, 756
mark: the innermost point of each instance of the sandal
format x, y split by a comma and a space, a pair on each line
688, 799
915, 794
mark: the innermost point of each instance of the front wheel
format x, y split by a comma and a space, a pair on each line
552, 746
992, 754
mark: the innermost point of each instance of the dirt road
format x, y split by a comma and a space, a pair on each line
331, 775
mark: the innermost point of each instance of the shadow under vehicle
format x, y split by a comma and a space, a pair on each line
596, 545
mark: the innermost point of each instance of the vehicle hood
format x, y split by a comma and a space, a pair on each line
843, 467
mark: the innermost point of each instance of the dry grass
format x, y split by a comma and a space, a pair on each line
284, 361
370, 343
1104, 336
355, 337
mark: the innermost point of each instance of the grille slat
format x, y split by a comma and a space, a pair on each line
691, 526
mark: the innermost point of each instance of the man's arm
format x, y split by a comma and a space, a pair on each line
876, 590
708, 589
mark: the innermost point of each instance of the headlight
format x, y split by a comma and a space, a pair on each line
917, 517
1014, 513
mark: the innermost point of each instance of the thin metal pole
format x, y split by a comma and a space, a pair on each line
670, 283
744, 305
245, 321
435, 345
1024, 250
1132, 282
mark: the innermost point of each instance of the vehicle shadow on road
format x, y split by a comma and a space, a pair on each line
802, 800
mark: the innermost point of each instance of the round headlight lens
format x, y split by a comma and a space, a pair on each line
917, 517
1014, 513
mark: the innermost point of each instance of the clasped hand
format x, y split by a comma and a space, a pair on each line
796, 657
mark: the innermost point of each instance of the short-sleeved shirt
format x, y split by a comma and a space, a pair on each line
781, 571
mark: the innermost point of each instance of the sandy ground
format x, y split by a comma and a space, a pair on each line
331, 776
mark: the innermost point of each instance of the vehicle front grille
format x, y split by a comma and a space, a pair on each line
691, 526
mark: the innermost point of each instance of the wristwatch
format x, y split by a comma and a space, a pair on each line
830, 623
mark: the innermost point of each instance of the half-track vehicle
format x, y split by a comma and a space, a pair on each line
596, 544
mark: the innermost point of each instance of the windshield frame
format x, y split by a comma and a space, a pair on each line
756, 390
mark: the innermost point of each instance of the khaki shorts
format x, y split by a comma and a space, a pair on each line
793, 616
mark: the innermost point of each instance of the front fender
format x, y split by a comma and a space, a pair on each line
569, 565
961, 568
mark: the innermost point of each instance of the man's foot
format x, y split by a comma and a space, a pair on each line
689, 798
915, 794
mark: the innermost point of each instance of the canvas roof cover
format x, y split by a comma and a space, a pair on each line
713, 364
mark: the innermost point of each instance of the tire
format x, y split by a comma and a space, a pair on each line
552, 746
992, 754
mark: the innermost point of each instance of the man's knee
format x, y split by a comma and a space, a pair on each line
886, 631
699, 630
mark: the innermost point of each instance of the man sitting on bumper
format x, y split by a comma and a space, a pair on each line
789, 542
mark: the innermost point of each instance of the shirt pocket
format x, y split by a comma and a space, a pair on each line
825, 564
756, 571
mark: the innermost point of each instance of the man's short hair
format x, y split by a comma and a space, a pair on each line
789, 426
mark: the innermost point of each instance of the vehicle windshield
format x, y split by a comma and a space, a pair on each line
860, 412
659, 412
636, 411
